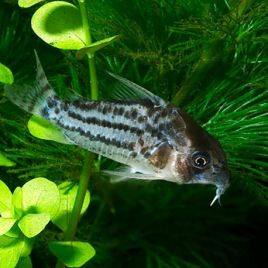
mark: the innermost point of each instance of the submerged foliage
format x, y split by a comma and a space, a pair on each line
210, 57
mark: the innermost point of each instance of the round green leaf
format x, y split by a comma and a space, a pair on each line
91, 49
6, 162
6, 76
6, 225
40, 196
42, 129
59, 24
28, 3
72, 253
68, 191
33, 224
6, 197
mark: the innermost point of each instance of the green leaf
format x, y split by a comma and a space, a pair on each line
6, 197
27, 246
14, 232
5, 241
68, 191
7, 214
95, 47
25, 263
33, 224
28, 3
10, 251
42, 129
6, 75
17, 202
6, 225
6, 162
72, 253
59, 24
40, 196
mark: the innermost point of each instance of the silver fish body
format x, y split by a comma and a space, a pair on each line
146, 137
156, 140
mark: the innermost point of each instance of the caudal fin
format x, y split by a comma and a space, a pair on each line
32, 99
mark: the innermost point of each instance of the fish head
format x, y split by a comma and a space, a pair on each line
209, 166
204, 160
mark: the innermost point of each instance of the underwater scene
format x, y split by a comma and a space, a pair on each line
133, 134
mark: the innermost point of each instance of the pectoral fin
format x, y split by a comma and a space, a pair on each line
119, 176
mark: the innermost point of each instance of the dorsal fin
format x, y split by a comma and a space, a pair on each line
122, 88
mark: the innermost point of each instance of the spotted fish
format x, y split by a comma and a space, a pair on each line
156, 140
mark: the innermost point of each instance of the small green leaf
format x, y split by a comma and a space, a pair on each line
5, 241
6, 197
95, 47
25, 263
6, 225
40, 196
42, 129
6, 75
14, 232
68, 191
28, 3
59, 24
10, 251
33, 224
17, 202
6, 162
72, 253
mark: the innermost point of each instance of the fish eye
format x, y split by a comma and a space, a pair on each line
200, 159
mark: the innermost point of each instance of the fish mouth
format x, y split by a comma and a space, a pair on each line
222, 183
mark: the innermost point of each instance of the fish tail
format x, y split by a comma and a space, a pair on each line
35, 98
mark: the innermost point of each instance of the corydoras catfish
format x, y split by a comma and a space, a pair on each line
156, 140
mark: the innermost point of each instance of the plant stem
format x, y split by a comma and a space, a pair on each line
93, 77
81, 192
79, 200
91, 59
86, 26
89, 157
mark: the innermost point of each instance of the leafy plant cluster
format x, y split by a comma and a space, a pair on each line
26, 212
64, 26
209, 57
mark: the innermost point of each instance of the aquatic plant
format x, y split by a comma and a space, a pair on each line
210, 58
24, 216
